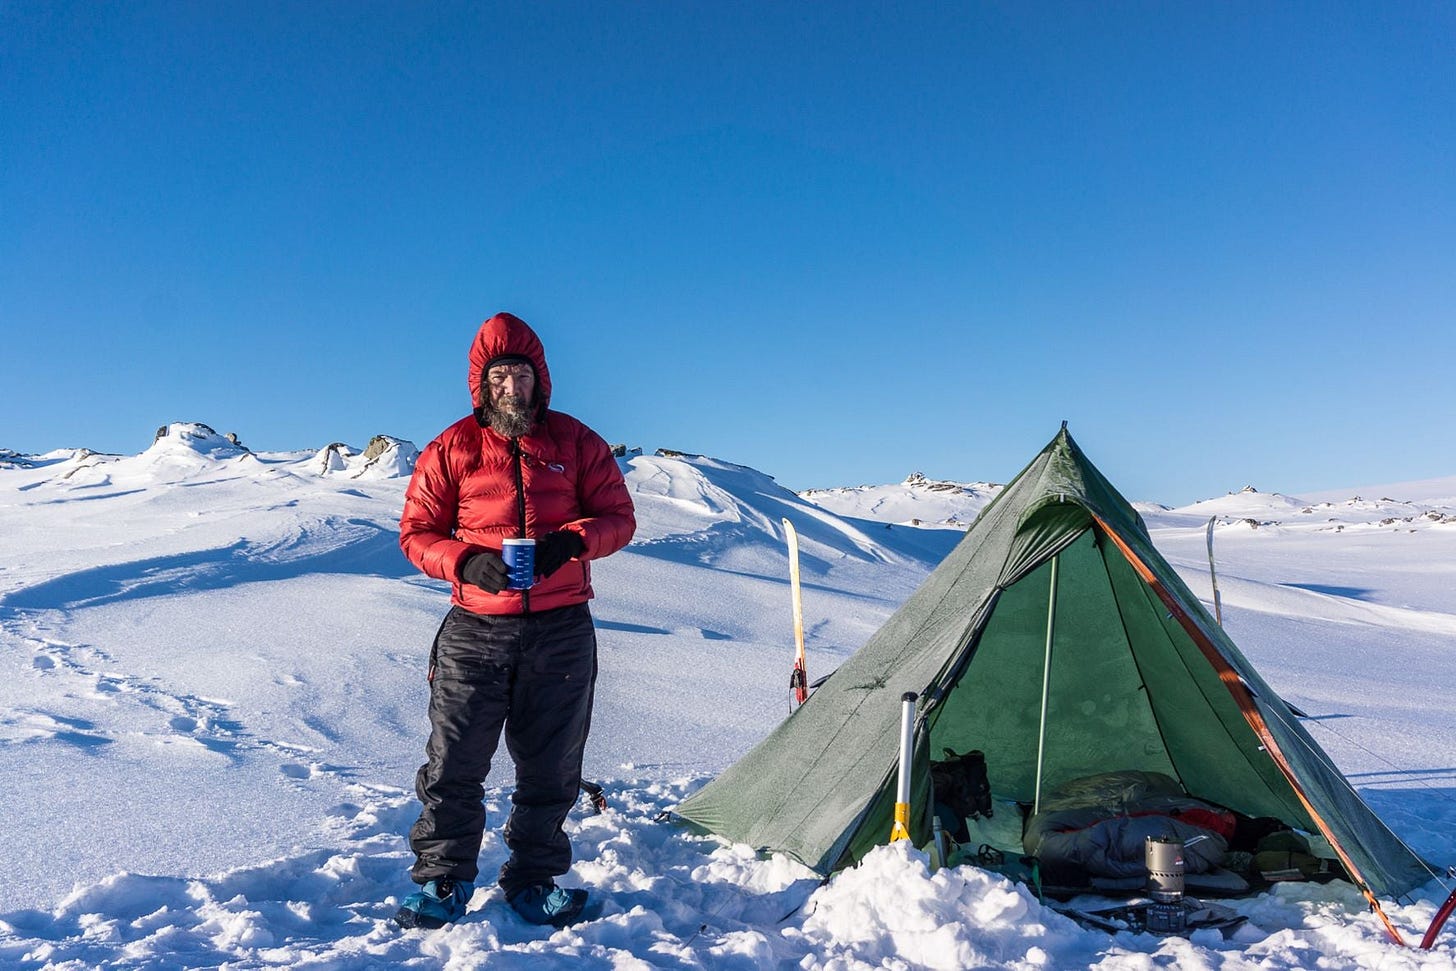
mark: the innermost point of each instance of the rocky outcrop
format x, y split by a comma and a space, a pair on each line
183, 429
193, 436
386, 457
333, 457
378, 445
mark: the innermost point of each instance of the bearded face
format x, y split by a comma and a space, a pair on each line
511, 416
510, 406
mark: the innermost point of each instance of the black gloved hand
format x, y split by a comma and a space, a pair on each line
554, 549
486, 571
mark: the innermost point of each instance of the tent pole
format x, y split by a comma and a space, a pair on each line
901, 829
1046, 680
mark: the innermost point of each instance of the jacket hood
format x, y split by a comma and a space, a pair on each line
506, 335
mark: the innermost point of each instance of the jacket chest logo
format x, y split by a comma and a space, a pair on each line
537, 464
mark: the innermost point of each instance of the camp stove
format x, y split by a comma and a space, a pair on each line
1164, 857
1168, 912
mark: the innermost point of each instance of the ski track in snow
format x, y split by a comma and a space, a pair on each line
259, 640
211, 723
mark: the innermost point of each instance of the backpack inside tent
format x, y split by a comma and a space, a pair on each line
1057, 641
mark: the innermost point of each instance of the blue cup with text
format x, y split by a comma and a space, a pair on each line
520, 559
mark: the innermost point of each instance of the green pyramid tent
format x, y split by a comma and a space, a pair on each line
1057, 640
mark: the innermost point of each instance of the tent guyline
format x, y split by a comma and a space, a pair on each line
1057, 641
1319, 753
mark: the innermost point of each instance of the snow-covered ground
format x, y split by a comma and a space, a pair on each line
212, 704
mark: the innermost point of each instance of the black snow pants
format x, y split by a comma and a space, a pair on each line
534, 675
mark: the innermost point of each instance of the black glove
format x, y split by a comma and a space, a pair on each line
486, 571
554, 549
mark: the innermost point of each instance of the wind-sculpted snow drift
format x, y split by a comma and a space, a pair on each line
212, 704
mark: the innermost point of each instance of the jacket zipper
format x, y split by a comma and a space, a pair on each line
521, 511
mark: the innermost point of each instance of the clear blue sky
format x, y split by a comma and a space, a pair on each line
837, 242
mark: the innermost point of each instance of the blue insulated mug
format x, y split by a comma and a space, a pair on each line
520, 559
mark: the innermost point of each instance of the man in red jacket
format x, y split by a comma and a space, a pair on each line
518, 660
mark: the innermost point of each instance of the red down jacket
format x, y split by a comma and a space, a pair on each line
472, 487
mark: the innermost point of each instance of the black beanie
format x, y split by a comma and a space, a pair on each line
507, 359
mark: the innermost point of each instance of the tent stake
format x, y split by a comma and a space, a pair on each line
901, 829
1046, 680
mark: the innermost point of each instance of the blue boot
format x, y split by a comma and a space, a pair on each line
545, 903
436, 904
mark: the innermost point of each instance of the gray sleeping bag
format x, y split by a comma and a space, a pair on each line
1100, 824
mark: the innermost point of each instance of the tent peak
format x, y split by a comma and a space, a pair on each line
1063, 438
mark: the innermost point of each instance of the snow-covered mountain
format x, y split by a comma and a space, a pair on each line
916, 501
212, 704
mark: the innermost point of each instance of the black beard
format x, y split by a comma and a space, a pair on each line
511, 417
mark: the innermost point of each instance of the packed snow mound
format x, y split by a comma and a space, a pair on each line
891, 910
385, 457
916, 501
191, 437
183, 449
